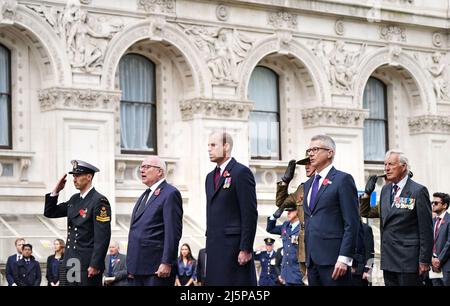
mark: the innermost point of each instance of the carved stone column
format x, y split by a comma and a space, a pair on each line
429, 144
345, 125
80, 124
202, 116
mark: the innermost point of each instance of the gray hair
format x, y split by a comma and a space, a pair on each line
327, 142
115, 243
401, 157
162, 165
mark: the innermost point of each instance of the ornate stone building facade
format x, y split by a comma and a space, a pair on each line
65, 94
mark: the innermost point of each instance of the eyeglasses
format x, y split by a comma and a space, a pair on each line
146, 167
314, 150
436, 203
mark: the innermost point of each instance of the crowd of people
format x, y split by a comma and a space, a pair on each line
324, 239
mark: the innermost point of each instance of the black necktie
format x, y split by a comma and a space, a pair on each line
143, 202
395, 188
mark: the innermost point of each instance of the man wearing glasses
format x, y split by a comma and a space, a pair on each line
441, 246
405, 224
155, 230
331, 217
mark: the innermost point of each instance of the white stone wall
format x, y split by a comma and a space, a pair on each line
65, 93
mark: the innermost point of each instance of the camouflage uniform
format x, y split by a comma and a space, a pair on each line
283, 199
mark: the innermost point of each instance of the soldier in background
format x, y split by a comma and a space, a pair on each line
88, 226
284, 199
269, 275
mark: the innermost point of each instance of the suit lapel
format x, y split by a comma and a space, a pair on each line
134, 217
305, 197
222, 177
404, 193
152, 198
441, 228
323, 187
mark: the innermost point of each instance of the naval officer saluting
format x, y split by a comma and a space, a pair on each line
88, 226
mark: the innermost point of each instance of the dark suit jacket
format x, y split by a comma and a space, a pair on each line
201, 265
365, 250
443, 243
88, 234
119, 270
53, 278
331, 228
27, 274
231, 226
9, 269
406, 232
156, 231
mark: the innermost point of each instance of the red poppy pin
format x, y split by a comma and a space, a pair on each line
157, 191
83, 212
326, 182
226, 173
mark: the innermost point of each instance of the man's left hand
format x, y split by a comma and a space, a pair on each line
93, 271
163, 270
340, 269
423, 268
244, 257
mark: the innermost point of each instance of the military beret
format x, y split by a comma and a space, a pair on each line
82, 167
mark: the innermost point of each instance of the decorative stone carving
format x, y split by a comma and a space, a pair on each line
24, 165
284, 40
393, 55
340, 65
393, 33
85, 37
157, 6
86, 2
75, 98
224, 50
438, 69
335, 117
437, 39
8, 10
339, 27
429, 124
222, 12
282, 20
213, 108
156, 27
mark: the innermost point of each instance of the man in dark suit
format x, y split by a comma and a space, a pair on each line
201, 267
27, 271
331, 217
441, 247
231, 217
405, 224
88, 226
12, 260
155, 231
115, 267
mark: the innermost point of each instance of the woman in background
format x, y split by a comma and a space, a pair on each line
53, 263
187, 266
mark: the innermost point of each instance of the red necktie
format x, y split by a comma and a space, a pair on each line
436, 231
216, 177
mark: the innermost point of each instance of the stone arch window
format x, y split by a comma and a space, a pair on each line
5, 98
265, 117
137, 105
376, 125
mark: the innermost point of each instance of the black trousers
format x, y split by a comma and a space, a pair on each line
321, 276
401, 279
151, 280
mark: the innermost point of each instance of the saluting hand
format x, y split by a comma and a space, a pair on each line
61, 183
